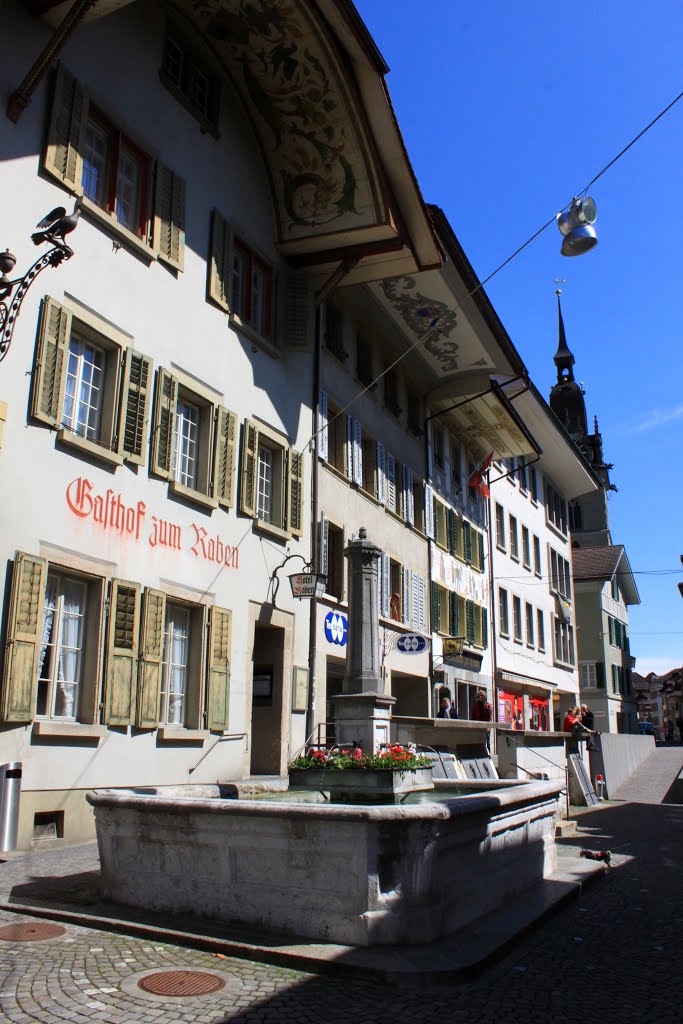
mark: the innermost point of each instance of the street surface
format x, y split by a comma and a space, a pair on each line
610, 956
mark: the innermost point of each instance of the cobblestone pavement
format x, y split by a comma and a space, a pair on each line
610, 956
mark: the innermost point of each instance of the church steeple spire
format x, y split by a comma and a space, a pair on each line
564, 360
566, 396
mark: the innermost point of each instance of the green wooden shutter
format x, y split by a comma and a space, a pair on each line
471, 628
480, 538
122, 652
66, 131
220, 645
135, 400
436, 608
451, 531
600, 675
225, 445
248, 468
164, 420
296, 322
295, 492
467, 533
454, 625
48, 374
484, 628
24, 626
220, 261
151, 655
169, 217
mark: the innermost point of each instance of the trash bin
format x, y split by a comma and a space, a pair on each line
10, 791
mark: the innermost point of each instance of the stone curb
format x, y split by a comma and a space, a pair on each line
343, 959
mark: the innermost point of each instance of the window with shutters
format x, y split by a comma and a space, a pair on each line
563, 635
556, 509
414, 414
90, 384
417, 503
529, 613
335, 561
538, 570
67, 653
540, 629
193, 441
441, 515
188, 76
391, 395
365, 369
251, 289
526, 548
514, 538
271, 481
517, 619
372, 466
53, 655
560, 574
333, 333
438, 445
138, 199
456, 466
242, 282
500, 527
396, 609
503, 612
175, 665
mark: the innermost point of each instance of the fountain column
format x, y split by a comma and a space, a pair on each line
362, 710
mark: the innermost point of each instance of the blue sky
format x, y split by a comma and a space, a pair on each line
507, 111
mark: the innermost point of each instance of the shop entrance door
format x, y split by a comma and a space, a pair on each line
266, 713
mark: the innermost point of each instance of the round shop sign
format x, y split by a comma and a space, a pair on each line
411, 643
336, 628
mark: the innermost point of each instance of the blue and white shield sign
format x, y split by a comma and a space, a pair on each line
336, 628
411, 643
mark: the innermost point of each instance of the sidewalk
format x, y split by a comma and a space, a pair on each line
611, 941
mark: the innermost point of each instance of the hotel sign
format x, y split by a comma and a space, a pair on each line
114, 516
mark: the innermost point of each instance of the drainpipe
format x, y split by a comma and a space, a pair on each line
315, 540
21, 97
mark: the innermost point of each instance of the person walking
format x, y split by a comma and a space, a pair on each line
679, 723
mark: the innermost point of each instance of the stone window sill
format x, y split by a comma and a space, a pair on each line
109, 222
68, 730
173, 734
98, 451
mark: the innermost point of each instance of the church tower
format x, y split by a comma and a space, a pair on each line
589, 514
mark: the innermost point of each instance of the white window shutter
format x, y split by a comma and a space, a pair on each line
390, 476
350, 461
357, 453
415, 600
405, 595
421, 603
429, 511
381, 474
408, 500
323, 546
323, 440
385, 579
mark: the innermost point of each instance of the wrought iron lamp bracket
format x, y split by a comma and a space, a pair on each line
11, 304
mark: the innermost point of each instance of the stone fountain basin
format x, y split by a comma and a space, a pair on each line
356, 875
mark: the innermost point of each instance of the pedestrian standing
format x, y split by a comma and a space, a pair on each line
447, 710
679, 723
669, 731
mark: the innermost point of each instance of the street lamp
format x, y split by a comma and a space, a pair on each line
576, 225
51, 228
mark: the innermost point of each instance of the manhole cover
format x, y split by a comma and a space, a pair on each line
181, 983
30, 932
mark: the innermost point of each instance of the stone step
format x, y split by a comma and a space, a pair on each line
565, 828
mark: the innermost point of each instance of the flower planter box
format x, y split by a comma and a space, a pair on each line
361, 784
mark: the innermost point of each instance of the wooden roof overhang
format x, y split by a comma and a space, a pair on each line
312, 84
